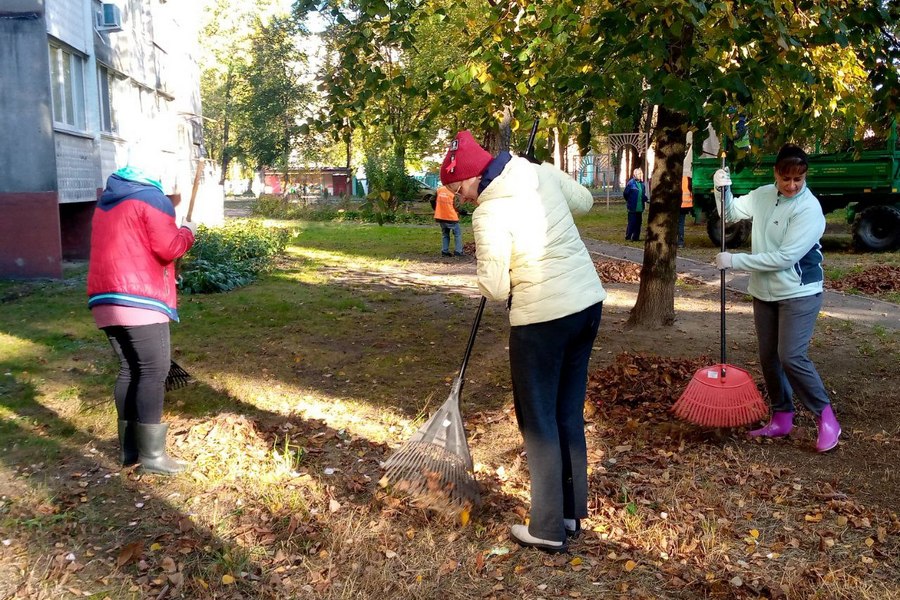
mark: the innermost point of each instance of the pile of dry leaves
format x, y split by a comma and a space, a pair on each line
618, 271
879, 279
642, 378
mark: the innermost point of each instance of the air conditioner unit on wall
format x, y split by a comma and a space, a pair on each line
109, 17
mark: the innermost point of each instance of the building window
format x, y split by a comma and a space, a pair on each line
67, 84
107, 81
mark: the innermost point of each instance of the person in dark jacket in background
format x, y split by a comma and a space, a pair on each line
131, 294
635, 200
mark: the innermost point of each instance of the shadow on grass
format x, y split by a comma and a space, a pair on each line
72, 518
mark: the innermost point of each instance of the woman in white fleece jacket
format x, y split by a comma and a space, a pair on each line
531, 255
786, 279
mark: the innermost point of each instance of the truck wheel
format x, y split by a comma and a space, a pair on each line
877, 229
736, 234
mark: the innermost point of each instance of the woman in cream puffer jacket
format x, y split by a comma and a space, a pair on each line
528, 244
530, 253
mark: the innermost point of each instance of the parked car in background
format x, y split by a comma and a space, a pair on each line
423, 192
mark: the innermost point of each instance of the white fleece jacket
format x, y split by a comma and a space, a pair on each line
528, 245
786, 258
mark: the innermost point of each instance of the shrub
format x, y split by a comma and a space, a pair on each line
275, 208
227, 257
389, 185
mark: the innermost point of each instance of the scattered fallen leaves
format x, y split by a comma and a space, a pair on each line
129, 552
875, 280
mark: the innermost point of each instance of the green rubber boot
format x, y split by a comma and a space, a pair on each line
128, 450
151, 442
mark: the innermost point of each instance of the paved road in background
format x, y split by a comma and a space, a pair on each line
836, 304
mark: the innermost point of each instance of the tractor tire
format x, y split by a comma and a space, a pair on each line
877, 229
736, 234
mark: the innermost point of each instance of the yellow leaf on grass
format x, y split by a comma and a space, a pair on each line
813, 518
155, 546
630, 565
754, 533
575, 561
383, 482
227, 579
464, 517
870, 542
841, 521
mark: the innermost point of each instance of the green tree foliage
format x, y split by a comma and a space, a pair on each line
385, 73
799, 69
254, 83
276, 98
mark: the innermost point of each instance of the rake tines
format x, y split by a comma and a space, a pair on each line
177, 377
435, 466
433, 476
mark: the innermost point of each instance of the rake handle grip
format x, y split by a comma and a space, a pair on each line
194, 188
457, 384
725, 191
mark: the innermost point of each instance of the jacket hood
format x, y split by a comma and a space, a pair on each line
118, 189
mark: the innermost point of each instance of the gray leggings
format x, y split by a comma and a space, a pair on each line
784, 329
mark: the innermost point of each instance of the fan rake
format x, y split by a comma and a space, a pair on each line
435, 467
721, 395
177, 377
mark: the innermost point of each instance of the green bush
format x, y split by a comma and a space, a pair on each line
275, 208
227, 257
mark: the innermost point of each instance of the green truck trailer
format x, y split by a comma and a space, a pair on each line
865, 183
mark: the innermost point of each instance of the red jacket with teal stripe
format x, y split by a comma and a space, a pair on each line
134, 244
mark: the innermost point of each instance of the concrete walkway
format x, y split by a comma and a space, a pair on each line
836, 304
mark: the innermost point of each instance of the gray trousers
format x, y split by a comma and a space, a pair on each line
784, 330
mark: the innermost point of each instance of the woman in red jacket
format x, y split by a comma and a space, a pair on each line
131, 294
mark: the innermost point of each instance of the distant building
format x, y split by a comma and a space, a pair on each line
80, 81
306, 181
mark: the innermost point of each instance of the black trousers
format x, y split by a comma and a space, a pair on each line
144, 354
633, 229
549, 367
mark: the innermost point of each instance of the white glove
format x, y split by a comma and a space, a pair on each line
190, 225
722, 178
724, 260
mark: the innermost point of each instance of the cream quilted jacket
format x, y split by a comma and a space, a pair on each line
528, 245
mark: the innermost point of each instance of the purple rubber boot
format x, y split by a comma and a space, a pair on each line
829, 430
781, 425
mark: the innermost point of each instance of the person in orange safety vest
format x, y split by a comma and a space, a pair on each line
446, 215
687, 207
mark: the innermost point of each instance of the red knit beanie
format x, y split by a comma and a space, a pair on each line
465, 159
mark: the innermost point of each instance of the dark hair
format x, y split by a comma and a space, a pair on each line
791, 158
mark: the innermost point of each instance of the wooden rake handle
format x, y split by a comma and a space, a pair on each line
196, 186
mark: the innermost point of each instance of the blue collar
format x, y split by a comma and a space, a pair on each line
493, 170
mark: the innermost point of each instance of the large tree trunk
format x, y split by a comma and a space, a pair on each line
226, 154
655, 304
505, 129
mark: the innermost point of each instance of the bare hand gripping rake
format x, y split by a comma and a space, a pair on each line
435, 466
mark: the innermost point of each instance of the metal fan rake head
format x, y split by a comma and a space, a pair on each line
432, 477
435, 467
